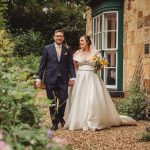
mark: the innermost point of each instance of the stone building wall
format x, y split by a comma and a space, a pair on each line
136, 33
88, 21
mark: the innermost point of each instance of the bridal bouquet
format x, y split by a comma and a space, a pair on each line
99, 62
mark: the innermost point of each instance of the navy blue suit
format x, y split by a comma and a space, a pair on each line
56, 76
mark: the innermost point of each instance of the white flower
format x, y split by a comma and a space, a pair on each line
45, 10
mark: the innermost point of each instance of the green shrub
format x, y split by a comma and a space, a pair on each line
15, 95
22, 137
145, 137
6, 45
31, 62
134, 104
59, 15
27, 43
19, 117
3, 8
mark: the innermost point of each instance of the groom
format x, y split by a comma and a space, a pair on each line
57, 66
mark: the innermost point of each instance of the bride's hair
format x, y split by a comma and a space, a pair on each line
88, 39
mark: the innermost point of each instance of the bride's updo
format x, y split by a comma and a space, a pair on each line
88, 39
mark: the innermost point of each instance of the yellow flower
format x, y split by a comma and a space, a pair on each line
105, 62
101, 61
94, 57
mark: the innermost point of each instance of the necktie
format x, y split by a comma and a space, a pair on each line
58, 50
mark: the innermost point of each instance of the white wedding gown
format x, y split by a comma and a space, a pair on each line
89, 105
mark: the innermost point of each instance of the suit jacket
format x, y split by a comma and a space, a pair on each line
51, 67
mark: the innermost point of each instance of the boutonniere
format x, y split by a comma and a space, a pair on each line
66, 53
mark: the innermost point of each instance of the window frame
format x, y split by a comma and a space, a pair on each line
101, 47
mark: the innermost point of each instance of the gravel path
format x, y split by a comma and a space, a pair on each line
115, 138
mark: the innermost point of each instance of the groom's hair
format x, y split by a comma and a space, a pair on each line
62, 31
87, 38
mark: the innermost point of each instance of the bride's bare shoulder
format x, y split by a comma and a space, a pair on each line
77, 52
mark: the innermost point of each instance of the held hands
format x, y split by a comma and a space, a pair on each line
38, 83
71, 82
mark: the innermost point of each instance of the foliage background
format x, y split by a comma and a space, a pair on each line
45, 16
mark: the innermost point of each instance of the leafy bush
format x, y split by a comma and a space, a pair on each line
28, 43
15, 95
47, 16
23, 137
6, 45
3, 8
134, 104
29, 62
145, 137
21, 130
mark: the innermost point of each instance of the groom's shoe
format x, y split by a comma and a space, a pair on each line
54, 127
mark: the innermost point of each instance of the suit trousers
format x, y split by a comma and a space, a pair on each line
59, 91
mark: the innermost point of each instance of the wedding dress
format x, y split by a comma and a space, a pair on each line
89, 105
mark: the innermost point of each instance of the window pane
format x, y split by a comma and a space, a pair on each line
94, 25
110, 21
111, 57
110, 40
94, 38
100, 41
96, 41
110, 76
97, 32
100, 23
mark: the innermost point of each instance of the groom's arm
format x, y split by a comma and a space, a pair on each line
42, 65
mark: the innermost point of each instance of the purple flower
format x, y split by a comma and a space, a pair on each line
49, 133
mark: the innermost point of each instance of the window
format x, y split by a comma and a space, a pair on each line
105, 35
97, 32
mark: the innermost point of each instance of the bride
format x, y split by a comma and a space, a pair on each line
90, 106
